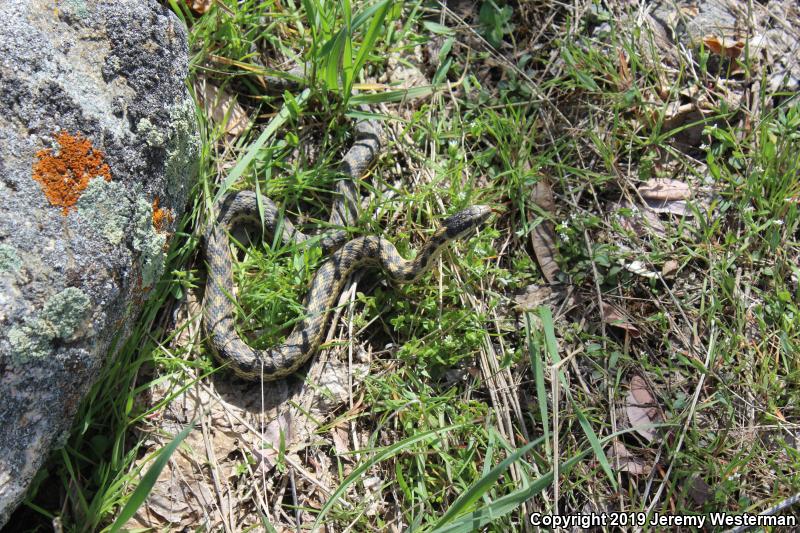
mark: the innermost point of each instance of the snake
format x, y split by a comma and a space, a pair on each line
343, 258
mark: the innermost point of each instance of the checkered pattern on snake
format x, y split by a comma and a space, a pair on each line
219, 310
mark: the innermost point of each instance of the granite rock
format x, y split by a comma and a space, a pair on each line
96, 124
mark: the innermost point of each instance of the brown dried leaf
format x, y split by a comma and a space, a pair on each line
673, 207
641, 221
670, 267
217, 104
533, 296
341, 441
642, 409
624, 71
543, 235
624, 461
277, 433
614, 316
730, 49
199, 7
687, 119
664, 189
699, 490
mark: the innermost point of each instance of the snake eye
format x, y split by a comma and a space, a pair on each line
466, 220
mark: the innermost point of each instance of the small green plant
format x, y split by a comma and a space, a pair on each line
495, 22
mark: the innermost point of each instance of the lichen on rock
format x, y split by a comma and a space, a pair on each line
9, 259
148, 242
152, 135
109, 74
64, 175
63, 317
66, 312
183, 145
105, 206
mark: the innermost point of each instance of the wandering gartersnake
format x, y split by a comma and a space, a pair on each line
219, 310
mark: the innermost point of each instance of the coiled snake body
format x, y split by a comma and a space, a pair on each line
280, 361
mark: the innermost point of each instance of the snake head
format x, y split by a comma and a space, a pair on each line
465, 221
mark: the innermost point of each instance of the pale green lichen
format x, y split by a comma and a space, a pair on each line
148, 242
76, 7
66, 311
183, 146
9, 259
105, 206
153, 136
62, 317
27, 343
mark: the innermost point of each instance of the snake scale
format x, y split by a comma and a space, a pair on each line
219, 310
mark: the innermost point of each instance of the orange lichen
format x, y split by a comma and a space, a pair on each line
65, 175
161, 217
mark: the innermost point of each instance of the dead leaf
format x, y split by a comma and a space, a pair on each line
664, 189
640, 222
726, 48
276, 436
533, 296
341, 441
624, 71
670, 267
219, 104
543, 235
642, 409
699, 490
640, 269
624, 461
614, 316
199, 7
673, 207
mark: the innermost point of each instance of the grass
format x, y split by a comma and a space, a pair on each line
474, 411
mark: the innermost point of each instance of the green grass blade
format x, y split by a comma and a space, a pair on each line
273, 126
541, 389
394, 96
382, 8
468, 498
502, 506
333, 60
552, 348
148, 480
382, 453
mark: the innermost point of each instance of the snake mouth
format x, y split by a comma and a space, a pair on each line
466, 221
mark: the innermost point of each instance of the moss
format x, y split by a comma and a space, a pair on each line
106, 207
61, 318
9, 260
148, 242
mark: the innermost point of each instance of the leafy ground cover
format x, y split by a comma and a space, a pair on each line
621, 337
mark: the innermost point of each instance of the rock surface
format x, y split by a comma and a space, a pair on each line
98, 146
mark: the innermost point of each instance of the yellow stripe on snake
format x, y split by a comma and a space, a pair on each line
219, 310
